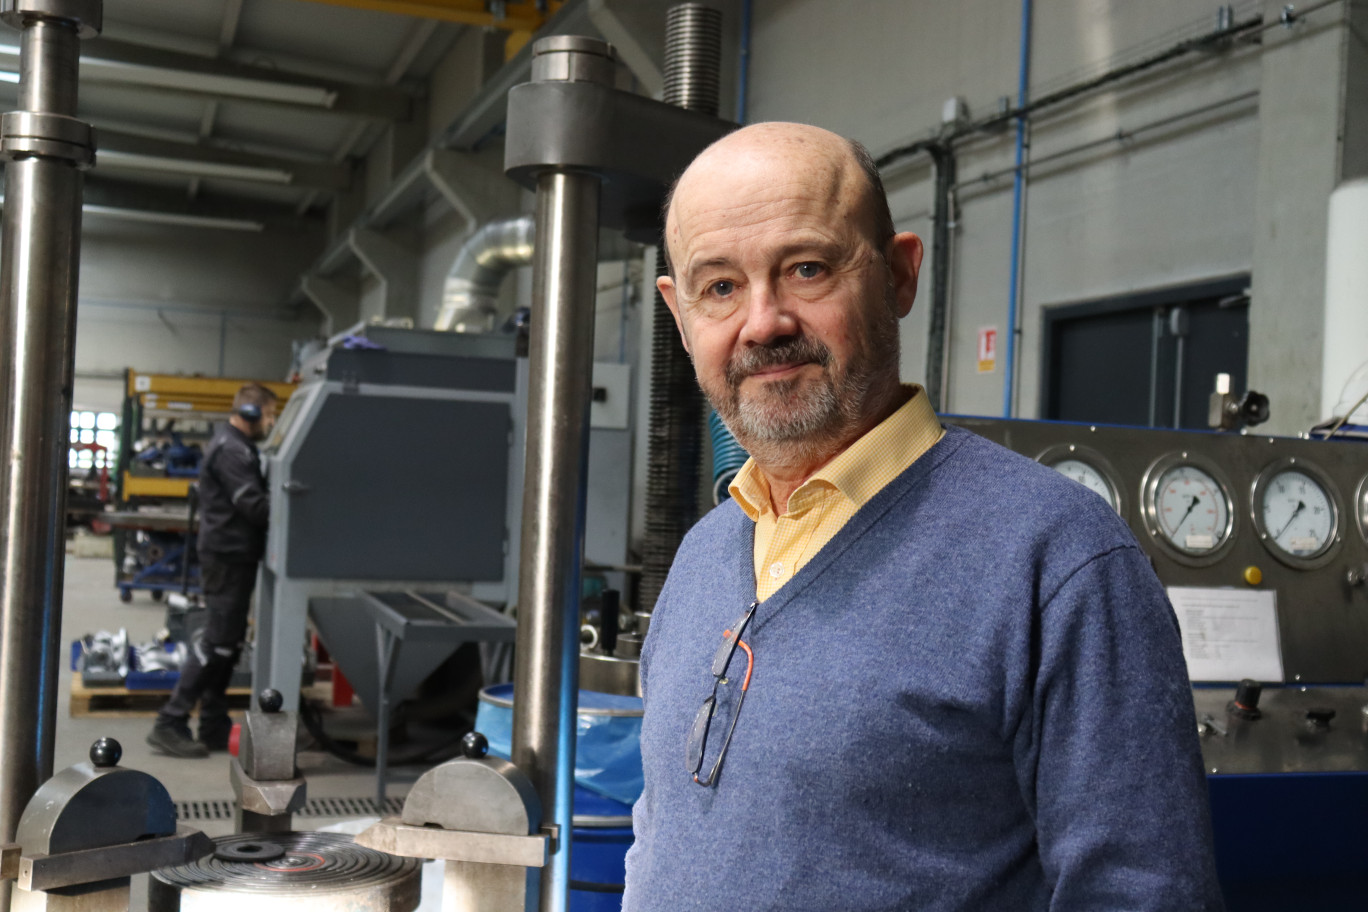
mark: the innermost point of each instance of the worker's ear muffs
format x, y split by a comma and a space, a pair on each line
249, 412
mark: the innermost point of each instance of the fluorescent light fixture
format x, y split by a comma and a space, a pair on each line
6, 76
175, 218
170, 218
191, 168
115, 71
97, 70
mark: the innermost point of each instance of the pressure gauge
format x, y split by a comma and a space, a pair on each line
1088, 468
1188, 508
1296, 512
1361, 507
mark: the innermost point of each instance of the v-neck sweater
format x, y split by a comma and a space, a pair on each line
972, 697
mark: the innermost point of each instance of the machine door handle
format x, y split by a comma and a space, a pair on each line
295, 487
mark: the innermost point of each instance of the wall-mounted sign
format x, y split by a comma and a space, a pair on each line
987, 349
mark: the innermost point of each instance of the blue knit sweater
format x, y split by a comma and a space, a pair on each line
973, 698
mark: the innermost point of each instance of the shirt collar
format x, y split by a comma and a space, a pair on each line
862, 469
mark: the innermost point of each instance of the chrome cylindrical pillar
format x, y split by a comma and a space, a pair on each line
44, 149
564, 277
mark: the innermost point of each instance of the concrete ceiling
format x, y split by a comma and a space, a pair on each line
224, 107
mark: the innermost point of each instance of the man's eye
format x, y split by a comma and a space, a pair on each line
807, 270
721, 288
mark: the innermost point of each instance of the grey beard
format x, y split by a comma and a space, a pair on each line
791, 422
781, 411
784, 424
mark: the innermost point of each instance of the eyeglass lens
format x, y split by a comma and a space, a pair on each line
728, 647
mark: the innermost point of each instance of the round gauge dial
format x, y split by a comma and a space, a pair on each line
1295, 511
1362, 508
1192, 509
1090, 477
1298, 514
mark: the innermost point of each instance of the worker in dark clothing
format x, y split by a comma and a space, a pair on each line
234, 512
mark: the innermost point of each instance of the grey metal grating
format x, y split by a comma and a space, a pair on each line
191, 811
350, 807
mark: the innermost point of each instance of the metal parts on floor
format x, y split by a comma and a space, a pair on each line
480, 815
264, 776
88, 829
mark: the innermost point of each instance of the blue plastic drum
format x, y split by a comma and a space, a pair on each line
608, 781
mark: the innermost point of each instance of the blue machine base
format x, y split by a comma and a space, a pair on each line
1291, 841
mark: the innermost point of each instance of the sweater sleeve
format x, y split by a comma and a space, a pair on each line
1113, 768
239, 471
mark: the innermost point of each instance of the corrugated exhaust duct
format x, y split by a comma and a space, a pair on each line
470, 296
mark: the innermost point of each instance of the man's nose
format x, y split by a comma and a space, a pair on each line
768, 315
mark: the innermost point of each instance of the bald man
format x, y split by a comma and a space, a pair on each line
902, 668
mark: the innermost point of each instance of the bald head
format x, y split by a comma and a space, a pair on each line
805, 158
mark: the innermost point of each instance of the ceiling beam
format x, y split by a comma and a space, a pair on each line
116, 150
515, 16
232, 14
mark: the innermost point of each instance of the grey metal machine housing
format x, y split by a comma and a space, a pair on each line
397, 466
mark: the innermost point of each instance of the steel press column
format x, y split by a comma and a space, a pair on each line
693, 52
564, 272
44, 149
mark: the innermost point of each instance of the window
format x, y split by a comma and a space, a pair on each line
90, 429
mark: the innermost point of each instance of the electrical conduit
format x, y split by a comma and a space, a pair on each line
1018, 192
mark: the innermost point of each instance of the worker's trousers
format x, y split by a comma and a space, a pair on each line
214, 650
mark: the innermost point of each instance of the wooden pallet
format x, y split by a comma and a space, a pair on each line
122, 703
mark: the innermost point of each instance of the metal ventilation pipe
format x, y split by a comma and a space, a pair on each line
693, 52
470, 297
44, 149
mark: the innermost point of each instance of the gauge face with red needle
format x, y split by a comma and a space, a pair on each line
1192, 510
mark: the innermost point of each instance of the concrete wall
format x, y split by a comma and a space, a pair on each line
1170, 205
168, 299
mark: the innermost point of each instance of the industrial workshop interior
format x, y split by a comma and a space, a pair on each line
351, 440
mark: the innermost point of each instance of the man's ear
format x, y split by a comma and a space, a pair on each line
905, 259
666, 286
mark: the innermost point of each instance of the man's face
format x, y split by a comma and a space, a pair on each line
787, 308
267, 423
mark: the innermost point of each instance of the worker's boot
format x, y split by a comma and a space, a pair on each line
213, 733
172, 736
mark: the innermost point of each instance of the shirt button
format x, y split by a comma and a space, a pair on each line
777, 569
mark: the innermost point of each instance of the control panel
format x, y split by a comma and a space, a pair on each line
1235, 524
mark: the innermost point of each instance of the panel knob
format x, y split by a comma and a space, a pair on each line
1319, 717
1246, 702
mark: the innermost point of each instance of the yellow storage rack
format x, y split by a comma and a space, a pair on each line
166, 396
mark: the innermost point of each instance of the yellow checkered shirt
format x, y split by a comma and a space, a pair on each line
825, 502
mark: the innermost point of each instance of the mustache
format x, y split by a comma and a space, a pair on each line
790, 350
